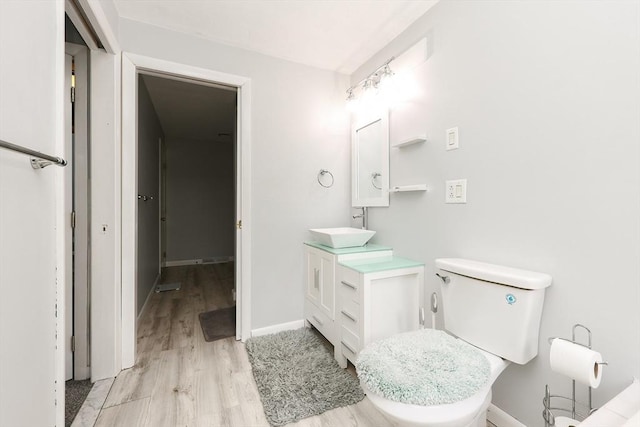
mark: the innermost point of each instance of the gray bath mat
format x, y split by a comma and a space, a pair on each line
297, 376
218, 324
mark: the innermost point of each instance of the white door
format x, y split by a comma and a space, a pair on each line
31, 249
68, 207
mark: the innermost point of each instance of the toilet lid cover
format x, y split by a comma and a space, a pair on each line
426, 367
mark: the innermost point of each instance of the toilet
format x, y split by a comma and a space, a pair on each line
443, 378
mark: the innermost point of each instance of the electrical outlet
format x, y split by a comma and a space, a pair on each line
456, 191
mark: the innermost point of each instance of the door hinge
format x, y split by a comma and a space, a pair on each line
239, 225
73, 343
73, 94
73, 219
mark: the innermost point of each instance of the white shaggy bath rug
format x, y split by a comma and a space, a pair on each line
426, 367
297, 376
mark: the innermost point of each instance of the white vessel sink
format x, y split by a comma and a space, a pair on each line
342, 237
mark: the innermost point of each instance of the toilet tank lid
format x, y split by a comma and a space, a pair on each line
523, 279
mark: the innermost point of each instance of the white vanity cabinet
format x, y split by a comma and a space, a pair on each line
320, 263
375, 300
320, 290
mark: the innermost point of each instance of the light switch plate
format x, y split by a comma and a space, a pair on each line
456, 191
452, 139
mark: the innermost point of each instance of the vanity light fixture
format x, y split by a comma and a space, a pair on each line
370, 84
350, 96
352, 101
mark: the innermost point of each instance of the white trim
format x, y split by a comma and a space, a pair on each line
129, 210
59, 233
289, 326
243, 147
100, 24
500, 418
81, 25
133, 64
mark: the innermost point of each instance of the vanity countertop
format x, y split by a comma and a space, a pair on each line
355, 250
380, 264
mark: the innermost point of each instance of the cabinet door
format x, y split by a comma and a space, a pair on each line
327, 283
313, 268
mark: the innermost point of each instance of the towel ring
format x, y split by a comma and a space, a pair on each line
321, 174
373, 180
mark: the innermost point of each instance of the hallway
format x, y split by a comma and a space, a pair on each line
181, 380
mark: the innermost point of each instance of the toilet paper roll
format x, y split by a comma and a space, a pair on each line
566, 422
575, 361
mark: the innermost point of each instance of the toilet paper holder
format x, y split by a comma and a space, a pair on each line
547, 412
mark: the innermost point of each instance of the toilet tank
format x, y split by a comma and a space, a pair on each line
495, 308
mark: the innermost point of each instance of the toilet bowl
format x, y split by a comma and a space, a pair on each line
469, 412
493, 314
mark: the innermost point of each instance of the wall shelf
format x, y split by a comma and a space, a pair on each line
403, 188
410, 141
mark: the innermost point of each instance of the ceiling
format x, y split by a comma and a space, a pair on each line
189, 111
337, 35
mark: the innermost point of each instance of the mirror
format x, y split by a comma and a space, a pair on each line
370, 161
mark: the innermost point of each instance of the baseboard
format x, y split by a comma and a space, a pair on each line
151, 291
296, 324
211, 260
500, 418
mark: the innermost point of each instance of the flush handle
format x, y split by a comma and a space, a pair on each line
445, 279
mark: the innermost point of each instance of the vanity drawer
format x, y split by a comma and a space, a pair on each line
350, 315
350, 344
349, 284
320, 321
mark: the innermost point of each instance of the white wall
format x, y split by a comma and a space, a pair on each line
299, 126
31, 90
149, 133
201, 199
547, 99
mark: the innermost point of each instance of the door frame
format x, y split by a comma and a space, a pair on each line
67, 202
80, 272
132, 65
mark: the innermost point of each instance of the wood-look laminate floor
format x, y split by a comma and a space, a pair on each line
181, 380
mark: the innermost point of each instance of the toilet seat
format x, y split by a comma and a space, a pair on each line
425, 368
450, 415
461, 413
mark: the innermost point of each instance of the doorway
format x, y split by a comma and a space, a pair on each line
186, 180
76, 201
133, 67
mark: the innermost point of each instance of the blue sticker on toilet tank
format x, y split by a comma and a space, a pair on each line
511, 299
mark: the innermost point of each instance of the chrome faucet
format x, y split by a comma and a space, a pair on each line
363, 215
